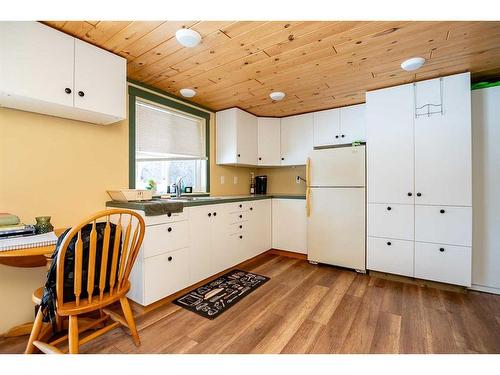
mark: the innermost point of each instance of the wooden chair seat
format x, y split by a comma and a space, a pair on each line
110, 286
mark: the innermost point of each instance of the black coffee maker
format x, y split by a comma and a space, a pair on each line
260, 184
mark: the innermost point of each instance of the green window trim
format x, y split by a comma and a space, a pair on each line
136, 92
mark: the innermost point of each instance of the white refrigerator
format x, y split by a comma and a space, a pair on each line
336, 229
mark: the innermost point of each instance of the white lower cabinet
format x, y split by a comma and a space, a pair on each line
390, 255
444, 263
165, 274
289, 225
391, 220
441, 224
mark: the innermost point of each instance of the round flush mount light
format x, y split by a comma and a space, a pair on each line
412, 64
187, 37
277, 95
187, 93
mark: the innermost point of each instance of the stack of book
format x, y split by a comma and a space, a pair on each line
10, 227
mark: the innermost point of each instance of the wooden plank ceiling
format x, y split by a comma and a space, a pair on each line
318, 65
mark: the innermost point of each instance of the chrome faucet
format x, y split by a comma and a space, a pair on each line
178, 187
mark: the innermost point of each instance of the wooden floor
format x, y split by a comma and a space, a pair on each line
317, 309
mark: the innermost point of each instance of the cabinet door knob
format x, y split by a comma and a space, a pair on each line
239, 155
389, 208
410, 194
388, 243
241, 216
169, 214
169, 229
419, 194
441, 249
215, 213
260, 158
209, 214
251, 208
67, 90
81, 93
241, 236
240, 205
241, 226
336, 136
282, 158
169, 259
442, 211
342, 135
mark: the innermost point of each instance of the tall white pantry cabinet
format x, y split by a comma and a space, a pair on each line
419, 180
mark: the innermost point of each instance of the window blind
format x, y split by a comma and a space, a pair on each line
163, 134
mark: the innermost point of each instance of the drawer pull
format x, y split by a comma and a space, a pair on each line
209, 214
241, 216
169, 229
251, 208
170, 259
419, 194
441, 249
241, 236
215, 213
442, 211
410, 194
389, 208
389, 244
241, 226
169, 214
240, 205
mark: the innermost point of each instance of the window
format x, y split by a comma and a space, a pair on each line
169, 144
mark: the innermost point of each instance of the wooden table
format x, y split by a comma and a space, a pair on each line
32, 257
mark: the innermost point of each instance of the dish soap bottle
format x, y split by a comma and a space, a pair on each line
252, 183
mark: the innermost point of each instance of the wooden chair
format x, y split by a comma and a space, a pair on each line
111, 289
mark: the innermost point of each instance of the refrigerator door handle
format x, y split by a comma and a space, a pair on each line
308, 189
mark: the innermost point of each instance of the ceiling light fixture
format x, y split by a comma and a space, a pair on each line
187, 93
277, 95
187, 37
412, 64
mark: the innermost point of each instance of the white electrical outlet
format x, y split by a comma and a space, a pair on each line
297, 180
235, 180
222, 180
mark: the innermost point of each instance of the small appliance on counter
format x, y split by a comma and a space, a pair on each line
260, 184
128, 195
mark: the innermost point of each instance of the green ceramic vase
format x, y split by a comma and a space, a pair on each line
43, 225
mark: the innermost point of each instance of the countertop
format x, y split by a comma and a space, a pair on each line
197, 201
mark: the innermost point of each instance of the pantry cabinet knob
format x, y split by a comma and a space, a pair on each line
389, 208
419, 194
209, 214
81, 94
441, 249
389, 243
410, 194
170, 259
442, 211
215, 213
169, 229
67, 90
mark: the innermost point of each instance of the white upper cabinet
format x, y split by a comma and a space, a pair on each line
269, 140
443, 141
352, 124
236, 137
36, 63
339, 126
326, 127
390, 114
296, 139
99, 80
46, 71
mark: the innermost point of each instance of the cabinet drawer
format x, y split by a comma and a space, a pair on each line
238, 217
444, 263
165, 237
390, 255
450, 225
238, 227
390, 220
238, 206
167, 218
165, 274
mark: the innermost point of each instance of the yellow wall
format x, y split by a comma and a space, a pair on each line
282, 180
